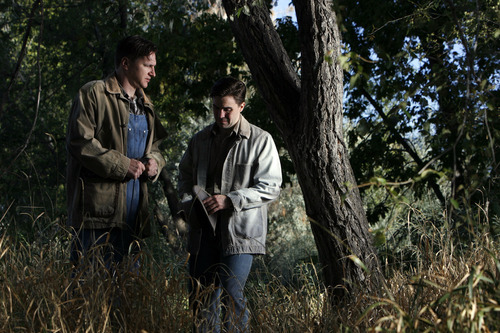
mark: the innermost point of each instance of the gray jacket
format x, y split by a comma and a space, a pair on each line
251, 178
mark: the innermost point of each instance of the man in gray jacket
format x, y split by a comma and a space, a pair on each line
227, 177
113, 140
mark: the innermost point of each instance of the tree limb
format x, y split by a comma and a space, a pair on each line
173, 205
278, 82
37, 107
13, 77
404, 143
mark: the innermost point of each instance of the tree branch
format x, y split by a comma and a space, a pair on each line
37, 107
173, 204
404, 143
278, 82
13, 77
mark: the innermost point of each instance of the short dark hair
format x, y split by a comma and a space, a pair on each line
229, 86
133, 47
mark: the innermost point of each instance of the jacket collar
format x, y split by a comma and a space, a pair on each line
244, 128
113, 87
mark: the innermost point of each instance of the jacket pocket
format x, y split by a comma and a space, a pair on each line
99, 198
242, 176
248, 224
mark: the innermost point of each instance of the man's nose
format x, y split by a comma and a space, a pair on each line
221, 113
153, 73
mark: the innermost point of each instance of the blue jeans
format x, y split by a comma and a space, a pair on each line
217, 284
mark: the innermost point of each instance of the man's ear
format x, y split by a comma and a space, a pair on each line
125, 62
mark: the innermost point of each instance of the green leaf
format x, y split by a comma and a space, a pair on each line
358, 262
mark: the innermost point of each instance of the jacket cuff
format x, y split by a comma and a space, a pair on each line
122, 168
236, 200
161, 163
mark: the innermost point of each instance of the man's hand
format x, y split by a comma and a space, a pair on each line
135, 169
151, 167
217, 202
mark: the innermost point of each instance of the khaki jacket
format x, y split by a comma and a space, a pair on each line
251, 178
96, 143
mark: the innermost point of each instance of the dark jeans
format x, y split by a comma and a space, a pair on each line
103, 256
217, 287
105, 246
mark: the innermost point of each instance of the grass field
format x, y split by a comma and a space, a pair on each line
449, 287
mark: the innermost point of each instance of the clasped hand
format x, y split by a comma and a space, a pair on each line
137, 168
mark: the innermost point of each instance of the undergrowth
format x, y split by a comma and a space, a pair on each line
434, 284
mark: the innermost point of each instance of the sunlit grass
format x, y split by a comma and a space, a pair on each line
40, 293
447, 288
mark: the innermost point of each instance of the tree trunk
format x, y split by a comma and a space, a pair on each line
308, 112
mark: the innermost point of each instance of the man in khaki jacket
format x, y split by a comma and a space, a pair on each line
113, 143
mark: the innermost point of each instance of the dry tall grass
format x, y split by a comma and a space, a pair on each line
447, 291
40, 293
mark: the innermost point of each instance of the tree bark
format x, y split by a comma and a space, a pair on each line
307, 110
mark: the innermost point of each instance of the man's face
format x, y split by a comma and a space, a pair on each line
226, 111
140, 72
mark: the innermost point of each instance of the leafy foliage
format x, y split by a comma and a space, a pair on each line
424, 73
431, 67
46, 62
